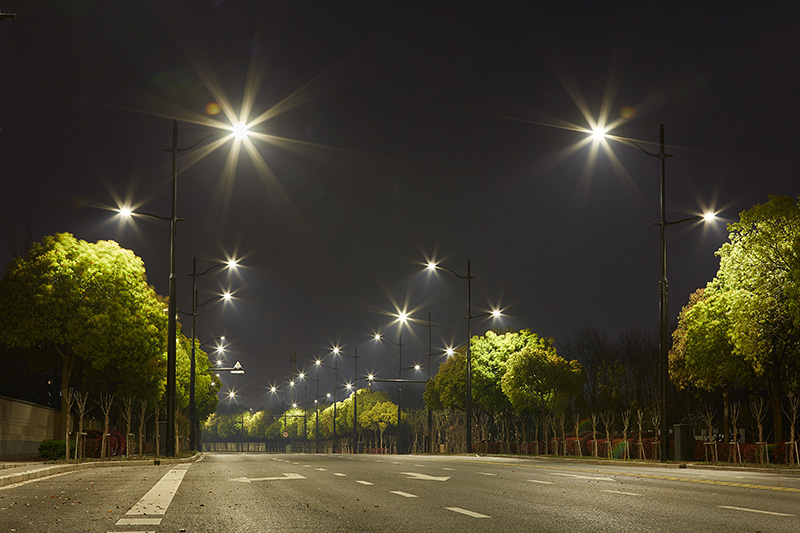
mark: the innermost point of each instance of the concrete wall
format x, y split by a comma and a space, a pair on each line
24, 425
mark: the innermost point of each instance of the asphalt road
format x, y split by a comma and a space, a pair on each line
294, 492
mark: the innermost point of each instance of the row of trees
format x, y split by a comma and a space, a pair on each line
85, 312
376, 414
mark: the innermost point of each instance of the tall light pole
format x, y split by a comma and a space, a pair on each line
192, 402
354, 355
402, 318
663, 285
239, 131
468, 277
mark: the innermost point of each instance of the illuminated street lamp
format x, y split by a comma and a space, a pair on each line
495, 313
193, 429
173, 309
335, 367
402, 317
599, 134
354, 355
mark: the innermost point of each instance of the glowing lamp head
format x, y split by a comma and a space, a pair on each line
377, 336
301, 375
273, 389
371, 377
231, 395
402, 316
416, 367
232, 263
318, 362
125, 212
227, 297
336, 350
709, 216
496, 313
431, 266
450, 352
598, 134
239, 130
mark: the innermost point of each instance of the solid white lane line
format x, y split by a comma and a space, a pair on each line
139, 522
473, 514
486, 474
364, 482
753, 510
576, 476
541, 482
157, 499
621, 492
339, 474
403, 494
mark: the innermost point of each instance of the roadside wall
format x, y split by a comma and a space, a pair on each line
23, 425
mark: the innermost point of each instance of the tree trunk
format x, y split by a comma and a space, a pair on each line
776, 399
726, 413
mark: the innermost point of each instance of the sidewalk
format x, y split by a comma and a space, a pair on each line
12, 472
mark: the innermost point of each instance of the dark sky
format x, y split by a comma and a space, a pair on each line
394, 133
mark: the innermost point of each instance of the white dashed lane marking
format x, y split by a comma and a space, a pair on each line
759, 511
364, 482
403, 494
473, 514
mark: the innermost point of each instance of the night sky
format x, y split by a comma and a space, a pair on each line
387, 134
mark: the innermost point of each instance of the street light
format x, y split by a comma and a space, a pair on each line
236, 131
402, 317
337, 351
663, 286
226, 297
319, 363
432, 266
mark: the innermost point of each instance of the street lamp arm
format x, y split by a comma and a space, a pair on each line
157, 217
209, 269
681, 221
175, 149
633, 143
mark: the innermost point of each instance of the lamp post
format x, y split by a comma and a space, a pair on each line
495, 313
468, 277
239, 131
354, 355
335, 367
402, 317
192, 403
663, 285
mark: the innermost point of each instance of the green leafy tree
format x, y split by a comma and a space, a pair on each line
759, 266
90, 303
451, 381
380, 417
538, 380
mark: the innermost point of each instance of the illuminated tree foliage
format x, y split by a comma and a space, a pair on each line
745, 322
91, 303
538, 380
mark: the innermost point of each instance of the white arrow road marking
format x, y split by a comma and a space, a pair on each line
426, 477
403, 494
576, 476
280, 478
753, 510
473, 514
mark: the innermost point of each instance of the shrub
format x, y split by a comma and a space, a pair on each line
54, 449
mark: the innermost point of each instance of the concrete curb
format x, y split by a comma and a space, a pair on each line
28, 472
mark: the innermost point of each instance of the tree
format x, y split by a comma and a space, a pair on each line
759, 266
91, 303
451, 381
538, 380
380, 417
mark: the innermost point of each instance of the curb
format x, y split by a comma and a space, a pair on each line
50, 470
